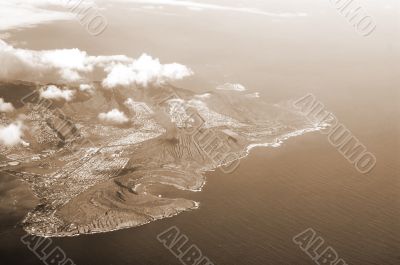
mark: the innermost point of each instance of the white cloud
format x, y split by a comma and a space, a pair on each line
70, 65
203, 96
114, 116
11, 135
5, 35
53, 92
74, 65
86, 88
197, 6
5, 106
52, 65
26, 13
143, 71
253, 95
231, 87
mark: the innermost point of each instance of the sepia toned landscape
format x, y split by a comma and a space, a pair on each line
199, 132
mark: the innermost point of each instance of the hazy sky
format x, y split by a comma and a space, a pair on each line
22, 13
256, 43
